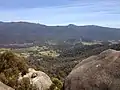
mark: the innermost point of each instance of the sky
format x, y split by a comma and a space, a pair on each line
62, 12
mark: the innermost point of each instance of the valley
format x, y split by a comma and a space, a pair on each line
50, 53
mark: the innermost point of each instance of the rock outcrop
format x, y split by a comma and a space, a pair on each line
5, 87
100, 72
41, 80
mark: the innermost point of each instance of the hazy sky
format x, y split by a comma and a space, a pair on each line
62, 12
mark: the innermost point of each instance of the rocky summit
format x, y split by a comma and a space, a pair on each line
41, 80
99, 72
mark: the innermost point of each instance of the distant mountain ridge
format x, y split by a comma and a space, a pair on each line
21, 32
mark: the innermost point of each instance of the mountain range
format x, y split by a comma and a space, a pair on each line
25, 32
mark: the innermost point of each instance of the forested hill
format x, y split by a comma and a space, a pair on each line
20, 32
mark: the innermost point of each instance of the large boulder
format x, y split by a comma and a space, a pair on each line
5, 87
100, 72
41, 80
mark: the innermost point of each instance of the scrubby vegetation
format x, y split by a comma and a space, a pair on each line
25, 85
57, 68
61, 66
56, 85
10, 67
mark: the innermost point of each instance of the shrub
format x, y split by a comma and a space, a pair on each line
10, 67
25, 85
56, 85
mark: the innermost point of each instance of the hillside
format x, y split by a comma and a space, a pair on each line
21, 32
16, 73
14, 61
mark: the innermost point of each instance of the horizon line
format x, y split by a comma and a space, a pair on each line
23, 21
